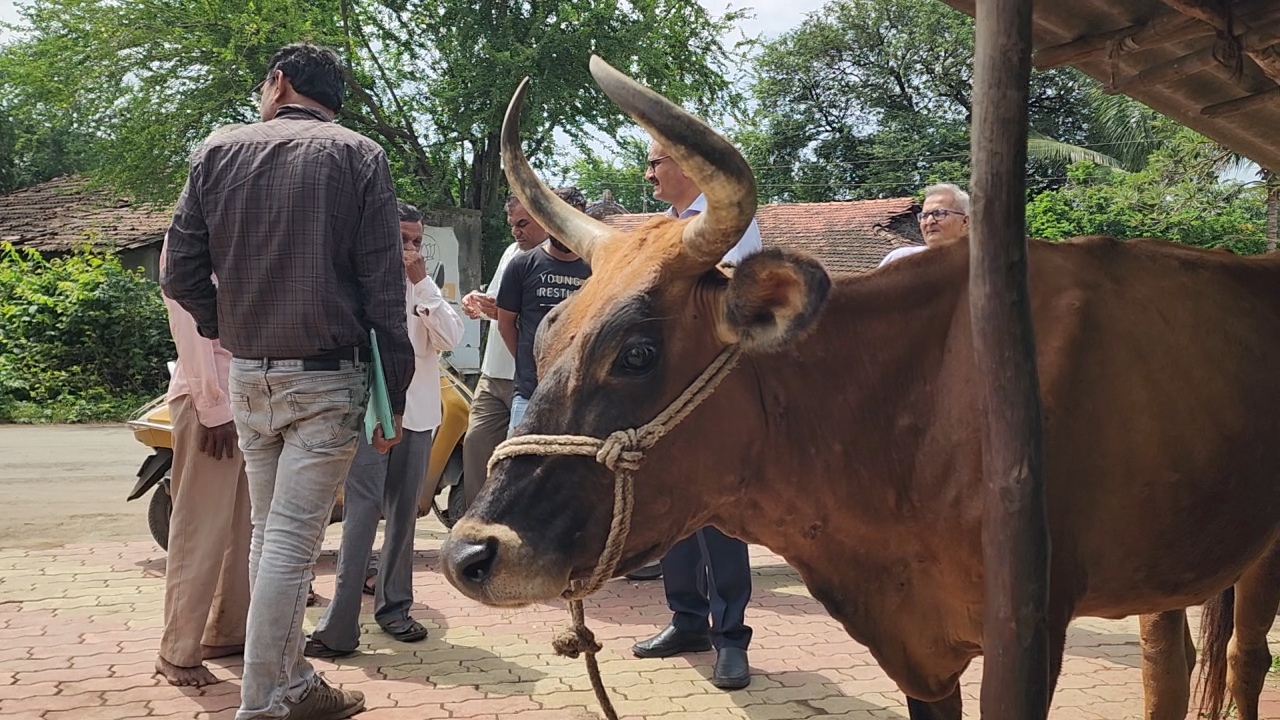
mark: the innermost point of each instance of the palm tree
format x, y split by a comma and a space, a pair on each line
1121, 125
1125, 127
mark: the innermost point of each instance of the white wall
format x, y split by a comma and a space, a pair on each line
440, 247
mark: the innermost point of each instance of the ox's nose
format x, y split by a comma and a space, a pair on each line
471, 560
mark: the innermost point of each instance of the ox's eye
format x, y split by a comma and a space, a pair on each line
636, 359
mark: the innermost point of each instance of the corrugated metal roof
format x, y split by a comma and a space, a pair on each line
845, 236
1176, 64
66, 213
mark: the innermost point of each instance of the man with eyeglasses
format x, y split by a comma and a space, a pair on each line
706, 576
297, 217
944, 218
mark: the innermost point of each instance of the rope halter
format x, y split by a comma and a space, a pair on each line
621, 452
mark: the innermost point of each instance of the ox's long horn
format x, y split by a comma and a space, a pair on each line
713, 163
581, 233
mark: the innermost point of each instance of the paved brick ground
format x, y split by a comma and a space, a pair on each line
79, 628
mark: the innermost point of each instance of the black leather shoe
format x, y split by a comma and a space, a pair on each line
652, 571
732, 672
672, 641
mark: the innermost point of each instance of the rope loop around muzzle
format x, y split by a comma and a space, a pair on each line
621, 452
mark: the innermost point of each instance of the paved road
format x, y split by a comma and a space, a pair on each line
81, 590
67, 483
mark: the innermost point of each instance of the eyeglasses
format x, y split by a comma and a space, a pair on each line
940, 214
256, 92
653, 164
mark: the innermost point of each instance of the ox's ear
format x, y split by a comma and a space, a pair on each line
773, 299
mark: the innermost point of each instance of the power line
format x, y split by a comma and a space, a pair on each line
840, 185
875, 161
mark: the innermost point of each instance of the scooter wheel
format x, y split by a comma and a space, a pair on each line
158, 513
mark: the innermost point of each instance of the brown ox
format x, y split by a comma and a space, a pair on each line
1158, 368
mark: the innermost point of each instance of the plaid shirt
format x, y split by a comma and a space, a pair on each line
297, 218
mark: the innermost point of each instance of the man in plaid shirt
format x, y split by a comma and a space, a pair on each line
296, 216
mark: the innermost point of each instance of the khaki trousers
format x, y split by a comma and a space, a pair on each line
486, 427
206, 594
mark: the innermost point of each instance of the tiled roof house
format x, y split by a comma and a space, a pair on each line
846, 237
65, 213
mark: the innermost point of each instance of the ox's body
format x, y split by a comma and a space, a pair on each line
848, 440
1162, 476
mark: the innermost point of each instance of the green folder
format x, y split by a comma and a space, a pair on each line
378, 409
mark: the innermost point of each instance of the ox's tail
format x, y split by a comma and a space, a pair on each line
1217, 622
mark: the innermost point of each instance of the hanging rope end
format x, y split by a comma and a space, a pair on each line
576, 641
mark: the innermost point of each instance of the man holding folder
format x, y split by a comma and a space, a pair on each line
297, 217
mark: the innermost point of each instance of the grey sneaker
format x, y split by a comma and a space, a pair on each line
326, 702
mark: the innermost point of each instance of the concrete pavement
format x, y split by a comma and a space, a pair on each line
79, 627
81, 588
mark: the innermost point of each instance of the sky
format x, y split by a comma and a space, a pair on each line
773, 17
8, 13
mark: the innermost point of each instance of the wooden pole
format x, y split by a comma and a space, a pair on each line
1015, 538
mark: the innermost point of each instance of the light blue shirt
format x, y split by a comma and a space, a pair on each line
748, 244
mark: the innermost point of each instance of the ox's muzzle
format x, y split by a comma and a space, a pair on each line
492, 564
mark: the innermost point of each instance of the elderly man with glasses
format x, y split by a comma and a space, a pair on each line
944, 218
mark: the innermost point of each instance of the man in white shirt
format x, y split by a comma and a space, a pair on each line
491, 403
388, 485
706, 576
944, 218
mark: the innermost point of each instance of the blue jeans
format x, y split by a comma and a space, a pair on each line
298, 431
377, 486
518, 406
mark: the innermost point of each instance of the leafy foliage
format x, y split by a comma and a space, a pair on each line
35, 148
872, 98
81, 337
147, 80
1120, 134
430, 78
623, 174
1177, 196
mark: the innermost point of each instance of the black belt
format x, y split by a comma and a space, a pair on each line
331, 359
356, 354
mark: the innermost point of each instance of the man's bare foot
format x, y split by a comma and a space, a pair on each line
197, 676
220, 651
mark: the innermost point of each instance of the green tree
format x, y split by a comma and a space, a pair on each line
430, 79
622, 174
1121, 134
81, 337
872, 98
1124, 138
34, 149
1178, 196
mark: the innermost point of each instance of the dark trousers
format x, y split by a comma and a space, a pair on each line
707, 577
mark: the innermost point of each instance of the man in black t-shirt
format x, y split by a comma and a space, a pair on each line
535, 282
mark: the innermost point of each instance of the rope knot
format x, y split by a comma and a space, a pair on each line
575, 641
622, 450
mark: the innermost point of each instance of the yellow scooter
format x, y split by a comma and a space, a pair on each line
151, 426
